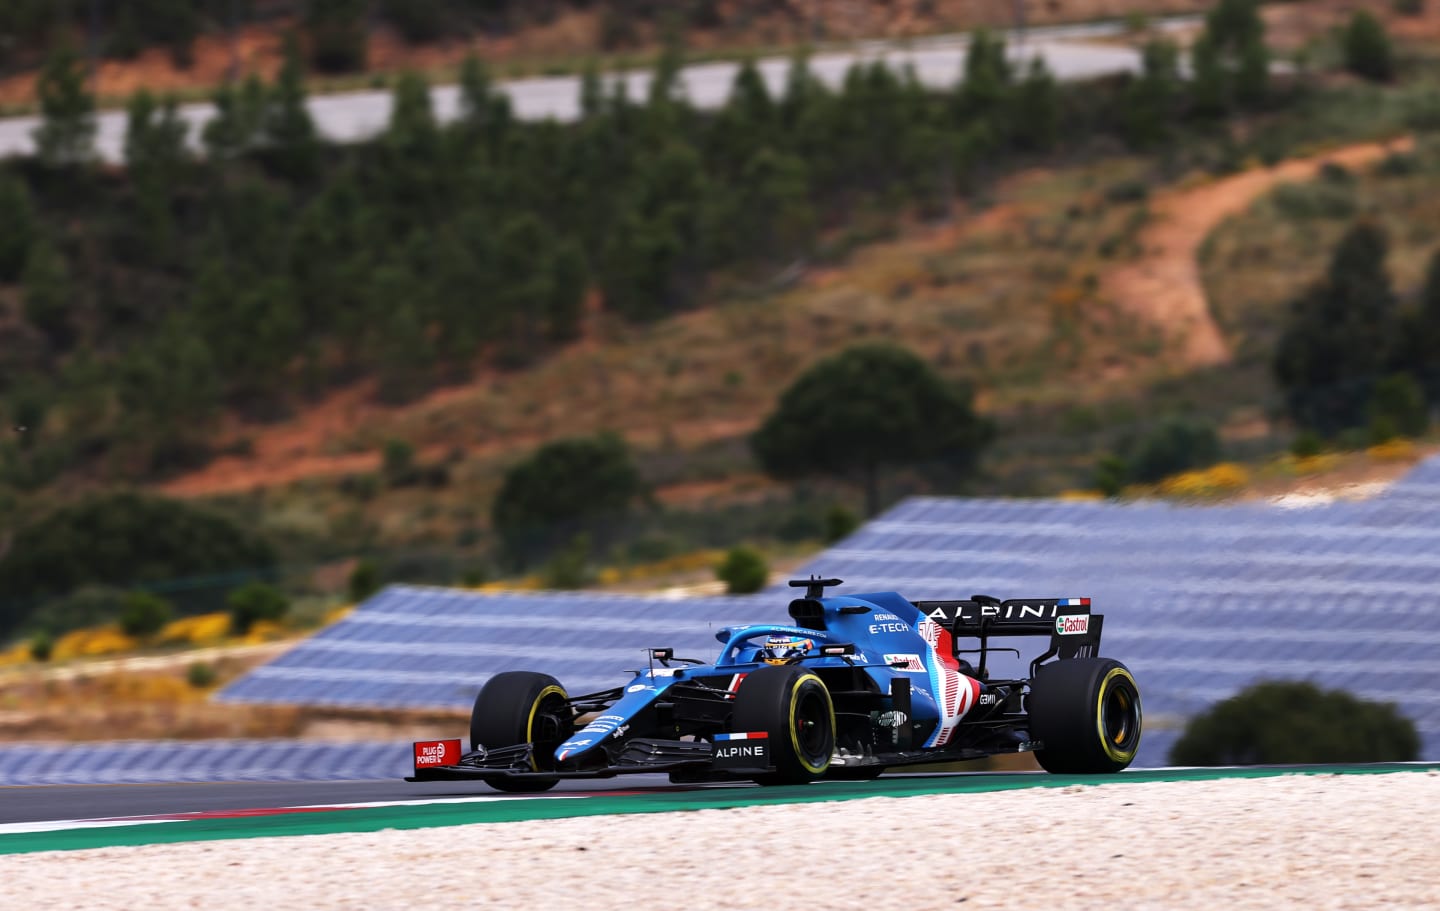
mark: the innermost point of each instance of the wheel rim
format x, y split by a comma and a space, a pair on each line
547, 732
812, 715
1120, 716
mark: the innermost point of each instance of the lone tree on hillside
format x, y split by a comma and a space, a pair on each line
1285, 721
1367, 48
565, 486
869, 406
1341, 334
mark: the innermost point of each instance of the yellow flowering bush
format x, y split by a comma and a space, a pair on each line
1226, 477
202, 629
1398, 449
17, 654
336, 614
89, 643
264, 631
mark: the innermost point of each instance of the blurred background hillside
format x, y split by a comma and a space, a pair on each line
254, 373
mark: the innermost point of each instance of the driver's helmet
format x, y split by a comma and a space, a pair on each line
782, 649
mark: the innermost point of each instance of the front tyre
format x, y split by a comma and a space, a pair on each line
1086, 712
793, 707
522, 707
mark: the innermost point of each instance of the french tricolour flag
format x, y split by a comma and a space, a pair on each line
753, 735
1074, 602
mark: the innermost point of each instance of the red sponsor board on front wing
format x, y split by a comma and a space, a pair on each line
436, 752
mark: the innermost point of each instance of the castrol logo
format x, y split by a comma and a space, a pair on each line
1075, 625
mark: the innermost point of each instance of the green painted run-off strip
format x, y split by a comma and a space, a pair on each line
372, 819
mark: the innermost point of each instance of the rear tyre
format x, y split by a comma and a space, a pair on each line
517, 707
1086, 712
793, 707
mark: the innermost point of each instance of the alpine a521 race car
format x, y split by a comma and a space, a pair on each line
856, 684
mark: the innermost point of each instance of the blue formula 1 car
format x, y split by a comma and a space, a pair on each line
852, 686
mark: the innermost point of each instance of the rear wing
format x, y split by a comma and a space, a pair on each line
1074, 632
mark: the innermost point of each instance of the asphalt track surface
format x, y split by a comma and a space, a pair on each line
34, 804
56, 802
937, 62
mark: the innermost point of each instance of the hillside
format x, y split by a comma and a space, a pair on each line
345, 349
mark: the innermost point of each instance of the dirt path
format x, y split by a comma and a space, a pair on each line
1163, 286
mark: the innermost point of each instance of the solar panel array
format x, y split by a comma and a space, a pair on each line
412, 646
208, 760
1200, 602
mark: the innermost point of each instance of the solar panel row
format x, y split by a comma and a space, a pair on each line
1201, 601
212, 760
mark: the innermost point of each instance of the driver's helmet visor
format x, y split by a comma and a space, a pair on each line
784, 649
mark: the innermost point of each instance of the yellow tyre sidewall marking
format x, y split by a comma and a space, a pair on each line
794, 735
530, 722
1105, 742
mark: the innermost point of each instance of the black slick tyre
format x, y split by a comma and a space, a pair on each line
794, 709
1086, 713
517, 707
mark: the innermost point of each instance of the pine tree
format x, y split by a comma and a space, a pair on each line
66, 135
1230, 60
523, 283
568, 286
1419, 351
592, 91
154, 145
289, 128
17, 214
1341, 337
750, 99
1151, 100
778, 198
1210, 87
985, 88
484, 111
1037, 109
49, 293
413, 136
239, 118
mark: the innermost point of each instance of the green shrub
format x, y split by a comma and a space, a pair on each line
840, 522
1398, 164
364, 580
569, 568
144, 614
1111, 474
564, 488
1301, 201
1132, 190
1398, 402
200, 675
90, 606
1307, 444
398, 464
1296, 722
253, 602
1176, 444
124, 540
42, 645
743, 570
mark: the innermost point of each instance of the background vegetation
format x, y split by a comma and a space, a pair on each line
155, 306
